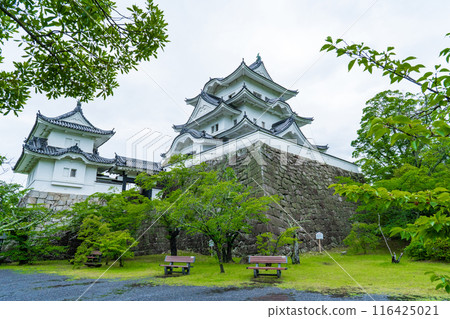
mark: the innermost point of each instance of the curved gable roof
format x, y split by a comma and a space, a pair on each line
243, 69
212, 102
44, 149
269, 104
64, 121
192, 132
259, 67
209, 98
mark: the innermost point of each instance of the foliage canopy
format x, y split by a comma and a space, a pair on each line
424, 130
74, 48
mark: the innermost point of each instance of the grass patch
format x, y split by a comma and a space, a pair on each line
317, 272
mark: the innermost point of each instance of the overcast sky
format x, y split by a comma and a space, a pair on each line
210, 38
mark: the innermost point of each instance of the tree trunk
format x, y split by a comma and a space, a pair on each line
173, 234
295, 253
228, 256
219, 252
228, 250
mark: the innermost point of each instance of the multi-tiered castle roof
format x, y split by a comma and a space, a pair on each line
245, 104
61, 154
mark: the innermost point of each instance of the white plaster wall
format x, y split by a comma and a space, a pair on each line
42, 173
253, 112
90, 175
278, 143
225, 123
105, 188
70, 164
46, 186
30, 178
44, 170
58, 139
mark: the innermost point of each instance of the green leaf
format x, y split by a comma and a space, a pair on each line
402, 119
409, 58
395, 137
350, 65
424, 87
325, 46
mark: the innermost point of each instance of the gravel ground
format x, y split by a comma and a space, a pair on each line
38, 287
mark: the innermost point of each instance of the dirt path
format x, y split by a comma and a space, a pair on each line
40, 287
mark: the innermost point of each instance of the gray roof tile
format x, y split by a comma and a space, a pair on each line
137, 164
39, 145
59, 120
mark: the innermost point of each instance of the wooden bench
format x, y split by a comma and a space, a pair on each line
94, 259
185, 269
268, 261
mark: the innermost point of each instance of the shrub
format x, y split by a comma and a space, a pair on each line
269, 244
438, 249
362, 237
96, 235
416, 250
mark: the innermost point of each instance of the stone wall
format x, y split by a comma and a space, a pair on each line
305, 201
55, 201
300, 183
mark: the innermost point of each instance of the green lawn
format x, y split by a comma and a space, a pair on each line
317, 272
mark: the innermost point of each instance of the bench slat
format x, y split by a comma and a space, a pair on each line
96, 252
185, 269
176, 266
179, 259
267, 259
268, 268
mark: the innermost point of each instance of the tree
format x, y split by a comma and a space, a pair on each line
221, 208
379, 159
269, 243
173, 183
427, 126
122, 211
119, 213
74, 48
24, 226
97, 235
431, 234
14, 215
116, 246
362, 237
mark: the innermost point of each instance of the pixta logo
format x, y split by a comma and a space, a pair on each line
148, 144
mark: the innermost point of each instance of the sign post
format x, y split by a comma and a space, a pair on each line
211, 245
319, 237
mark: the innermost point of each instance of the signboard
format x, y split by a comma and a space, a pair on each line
211, 243
319, 235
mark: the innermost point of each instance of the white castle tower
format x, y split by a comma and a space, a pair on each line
243, 108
